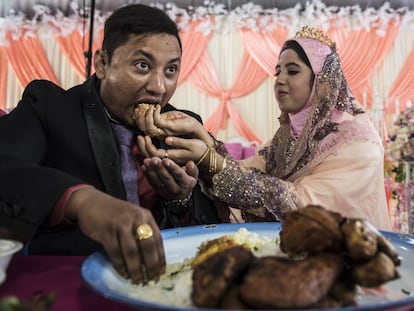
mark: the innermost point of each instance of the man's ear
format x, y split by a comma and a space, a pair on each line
100, 60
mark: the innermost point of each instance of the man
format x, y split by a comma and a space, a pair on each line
62, 184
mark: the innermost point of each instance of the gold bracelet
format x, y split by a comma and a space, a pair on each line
212, 165
224, 164
205, 154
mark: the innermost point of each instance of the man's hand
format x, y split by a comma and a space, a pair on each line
113, 223
170, 180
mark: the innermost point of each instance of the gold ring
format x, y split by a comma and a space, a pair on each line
143, 232
165, 154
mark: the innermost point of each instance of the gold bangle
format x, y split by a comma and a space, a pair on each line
203, 156
212, 165
224, 164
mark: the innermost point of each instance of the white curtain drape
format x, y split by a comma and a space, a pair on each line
259, 109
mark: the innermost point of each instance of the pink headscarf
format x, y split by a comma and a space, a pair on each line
316, 52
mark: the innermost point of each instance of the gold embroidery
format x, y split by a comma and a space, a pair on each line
316, 34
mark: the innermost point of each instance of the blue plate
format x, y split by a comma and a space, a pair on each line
182, 243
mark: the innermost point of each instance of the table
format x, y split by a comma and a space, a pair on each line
28, 275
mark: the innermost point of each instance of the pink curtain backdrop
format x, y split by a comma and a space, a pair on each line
74, 46
3, 77
403, 86
359, 66
264, 48
249, 75
29, 61
194, 44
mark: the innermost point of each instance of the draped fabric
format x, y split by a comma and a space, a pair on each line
194, 44
402, 89
223, 106
73, 45
249, 76
358, 66
3, 78
29, 60
264, 48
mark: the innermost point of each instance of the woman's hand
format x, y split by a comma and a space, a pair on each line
183, 150
144, 119
171, 123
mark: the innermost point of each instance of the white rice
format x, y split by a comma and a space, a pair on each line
174, 287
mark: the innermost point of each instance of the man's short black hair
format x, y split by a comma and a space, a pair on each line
135, 19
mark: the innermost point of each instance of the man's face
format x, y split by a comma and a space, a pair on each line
143, 70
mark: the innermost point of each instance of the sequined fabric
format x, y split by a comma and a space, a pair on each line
251, 190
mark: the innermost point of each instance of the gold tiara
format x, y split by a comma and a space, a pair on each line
315, 34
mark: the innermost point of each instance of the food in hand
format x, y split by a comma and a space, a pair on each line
143, 108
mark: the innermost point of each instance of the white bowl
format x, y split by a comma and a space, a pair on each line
7, 249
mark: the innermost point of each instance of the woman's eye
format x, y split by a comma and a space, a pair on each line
292, 72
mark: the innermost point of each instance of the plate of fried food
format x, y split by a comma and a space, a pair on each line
314, 259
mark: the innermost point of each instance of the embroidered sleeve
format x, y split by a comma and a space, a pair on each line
254, 191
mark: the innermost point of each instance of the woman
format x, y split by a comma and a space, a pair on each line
325, 152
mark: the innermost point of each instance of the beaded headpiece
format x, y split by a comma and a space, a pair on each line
315, 34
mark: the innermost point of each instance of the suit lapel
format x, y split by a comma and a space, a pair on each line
102, 141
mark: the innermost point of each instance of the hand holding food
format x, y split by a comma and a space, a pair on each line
144, 119
153, 123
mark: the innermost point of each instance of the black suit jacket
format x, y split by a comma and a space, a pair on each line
55, 139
